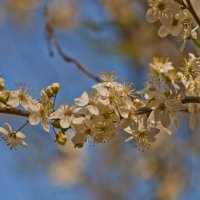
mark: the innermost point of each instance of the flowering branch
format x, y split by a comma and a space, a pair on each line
111, 106
140, 111
52, 37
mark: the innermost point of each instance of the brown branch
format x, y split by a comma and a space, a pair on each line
14, 111
52, 37
187, 99
140, 111
190, 99
192, 10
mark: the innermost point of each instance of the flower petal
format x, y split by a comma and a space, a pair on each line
83, 100
78, 120
4, 131
165, 119
34, 118
45, 124
151, 16
65, 122
93, 109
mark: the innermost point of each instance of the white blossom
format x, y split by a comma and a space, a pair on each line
40, 115
12, 138
144, 135
164, 111
104, 132
21, 97
175, 27
162, 10
187, 34
66, 114
89, 101
191, 66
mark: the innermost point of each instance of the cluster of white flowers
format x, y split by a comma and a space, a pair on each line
178, 82
175, 18
39, 110
111, 107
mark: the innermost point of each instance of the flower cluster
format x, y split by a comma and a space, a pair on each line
111, 108
175, 18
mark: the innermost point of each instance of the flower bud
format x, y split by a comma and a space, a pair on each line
49, 92
2, 85
55, 87
43, 93
137, 102
4, 97
61, 138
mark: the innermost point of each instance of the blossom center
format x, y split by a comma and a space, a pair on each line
175, 22
106, 115
162, 106
68, 112
161, 6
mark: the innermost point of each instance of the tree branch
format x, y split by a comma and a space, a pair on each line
187, 99
14, 111
66, 58
192, 10
140, 111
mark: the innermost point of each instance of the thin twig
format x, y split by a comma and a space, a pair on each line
192, 10
52, 37
27, 122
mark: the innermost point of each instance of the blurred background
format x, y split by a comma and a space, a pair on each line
104, 35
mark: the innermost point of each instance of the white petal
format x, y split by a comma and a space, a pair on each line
102, 91
34, 118
4, 131
45, 124
128, 139
55, 115
33, 105
163, 31
165, 119
124, 111
8, 127
65, 122
13, 100
151, 16
124, 123
20, 135
78, 120
24, 144
93, 109
83, 100
175, 31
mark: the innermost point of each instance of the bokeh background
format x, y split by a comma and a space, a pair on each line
104, 35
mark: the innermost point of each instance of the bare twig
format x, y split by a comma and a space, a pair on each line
52, 37
192, 10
